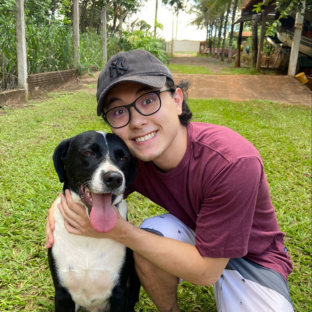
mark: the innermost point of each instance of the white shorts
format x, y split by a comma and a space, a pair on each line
244, 286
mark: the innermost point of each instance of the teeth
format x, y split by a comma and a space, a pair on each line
145, 138
88, 193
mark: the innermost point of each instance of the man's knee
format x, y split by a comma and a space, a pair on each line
142, 265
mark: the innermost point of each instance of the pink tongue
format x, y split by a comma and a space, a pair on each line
103, 216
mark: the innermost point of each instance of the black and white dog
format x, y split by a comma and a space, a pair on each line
96, 275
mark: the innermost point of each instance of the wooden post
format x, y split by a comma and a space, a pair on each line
263, 21
293, 60
21, 46
76, 33
239, 42
254, 39
104, 27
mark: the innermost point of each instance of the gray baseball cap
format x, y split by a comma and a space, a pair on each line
135, 66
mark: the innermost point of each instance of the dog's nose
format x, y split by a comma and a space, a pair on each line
112, 179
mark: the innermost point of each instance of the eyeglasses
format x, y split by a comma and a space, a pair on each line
147, 104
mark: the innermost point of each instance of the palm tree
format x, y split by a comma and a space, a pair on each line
210, 8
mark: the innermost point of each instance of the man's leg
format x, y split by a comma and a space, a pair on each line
247, 286
158, 284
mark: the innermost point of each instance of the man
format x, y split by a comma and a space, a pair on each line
221, 228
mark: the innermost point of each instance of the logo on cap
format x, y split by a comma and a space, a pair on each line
118, 66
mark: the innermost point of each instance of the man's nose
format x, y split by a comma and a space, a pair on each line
137, 120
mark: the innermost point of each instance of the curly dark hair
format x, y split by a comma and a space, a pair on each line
186, 115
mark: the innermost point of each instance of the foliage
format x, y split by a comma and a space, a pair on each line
49, 48
284, 8
176, 4
145, 40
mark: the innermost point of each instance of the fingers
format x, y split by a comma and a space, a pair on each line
49, 235
69, 213
50, 226
75, 217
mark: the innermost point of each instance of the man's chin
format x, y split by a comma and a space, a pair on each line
146, 157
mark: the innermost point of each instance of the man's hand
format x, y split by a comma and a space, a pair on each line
50, 225
76, 220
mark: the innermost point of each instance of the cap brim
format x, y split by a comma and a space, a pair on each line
151, 81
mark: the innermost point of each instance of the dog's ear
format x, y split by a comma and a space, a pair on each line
59, 156
133, 167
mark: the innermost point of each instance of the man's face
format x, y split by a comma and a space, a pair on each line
159, 137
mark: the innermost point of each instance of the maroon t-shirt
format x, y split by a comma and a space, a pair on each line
219, 189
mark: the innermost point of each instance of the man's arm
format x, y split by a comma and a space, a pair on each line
177, 258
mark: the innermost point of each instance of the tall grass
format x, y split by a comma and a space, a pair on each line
29, 184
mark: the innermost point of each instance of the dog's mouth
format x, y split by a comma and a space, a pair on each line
102, 214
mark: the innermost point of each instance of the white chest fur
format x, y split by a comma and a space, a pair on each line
87, 267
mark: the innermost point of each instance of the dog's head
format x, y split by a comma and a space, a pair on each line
98, 167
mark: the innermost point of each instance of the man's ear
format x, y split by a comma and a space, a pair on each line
59, 157
178, 98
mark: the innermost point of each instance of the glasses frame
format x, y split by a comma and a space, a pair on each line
128, 106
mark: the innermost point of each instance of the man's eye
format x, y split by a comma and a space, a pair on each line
119, 112
147, 101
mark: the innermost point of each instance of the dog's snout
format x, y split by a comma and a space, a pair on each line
112, 179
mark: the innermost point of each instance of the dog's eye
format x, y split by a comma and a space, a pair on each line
89, 153
124, 158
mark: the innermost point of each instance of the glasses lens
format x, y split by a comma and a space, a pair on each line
118, 116
148, 103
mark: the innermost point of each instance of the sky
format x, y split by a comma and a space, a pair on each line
165, 16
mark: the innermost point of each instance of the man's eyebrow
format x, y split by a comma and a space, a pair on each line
110, 101
143, 88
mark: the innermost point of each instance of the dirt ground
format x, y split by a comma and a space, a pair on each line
279, 88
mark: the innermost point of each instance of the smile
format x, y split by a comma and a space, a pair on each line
146, 137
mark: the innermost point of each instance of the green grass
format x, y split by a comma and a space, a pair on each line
239, 71
28, 185
188, 69
195, 69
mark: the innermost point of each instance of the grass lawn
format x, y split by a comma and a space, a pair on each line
29, 184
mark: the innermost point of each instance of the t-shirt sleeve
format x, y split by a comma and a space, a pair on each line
225, 219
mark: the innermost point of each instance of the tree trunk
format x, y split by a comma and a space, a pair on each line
232, 31
122, 16
219, 35
115, 17
254, 39
104, 27
210, 41
224, 33
263, 21
83, 18
214, 41
156, 11
92, 14
239, 42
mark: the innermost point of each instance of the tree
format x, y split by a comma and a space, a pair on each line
225, 27
232, 30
